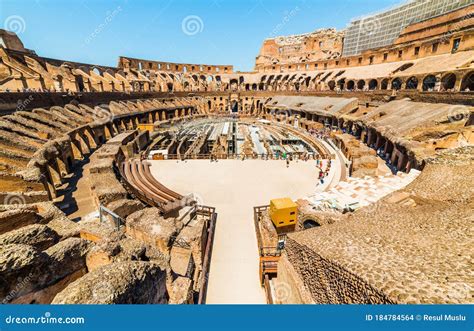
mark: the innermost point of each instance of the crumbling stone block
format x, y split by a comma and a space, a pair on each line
17, 218
181, 291
39, 236
149, 226
119, 283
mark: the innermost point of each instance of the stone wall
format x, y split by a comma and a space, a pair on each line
408, 247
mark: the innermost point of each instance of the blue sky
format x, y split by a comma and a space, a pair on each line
219, 31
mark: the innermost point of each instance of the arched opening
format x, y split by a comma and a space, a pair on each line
332, 85
309, 224
448, 82
341, 83
170, 87
258, 105
234, 106
234, 85
412, 83
305, 81
396, 84
79, 83
429, 83
361, 84
58, 83
467, 84
254, 87
350, 85
384, 84
373, 84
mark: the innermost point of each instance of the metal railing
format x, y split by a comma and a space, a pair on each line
208, 252
230, 156
116, 218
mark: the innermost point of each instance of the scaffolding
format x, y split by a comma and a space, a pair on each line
382, 29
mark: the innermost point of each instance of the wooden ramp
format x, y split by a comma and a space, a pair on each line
137, 175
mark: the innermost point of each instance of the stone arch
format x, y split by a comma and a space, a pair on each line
448, 81
97, 71
332, 85
429, 83
397, 84
412, 83
80, 86
373, 84
384, 84
310, 223
361, 84
467, 82
341, 83
58, 83
350, 85
234, 84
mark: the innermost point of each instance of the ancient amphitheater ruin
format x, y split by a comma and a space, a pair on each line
150, 182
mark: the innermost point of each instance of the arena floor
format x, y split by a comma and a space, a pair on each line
234, 188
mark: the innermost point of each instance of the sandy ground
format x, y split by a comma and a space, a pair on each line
234, 188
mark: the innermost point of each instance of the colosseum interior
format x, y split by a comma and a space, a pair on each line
150, 182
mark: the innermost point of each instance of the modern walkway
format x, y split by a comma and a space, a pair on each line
362, 191
234, 188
